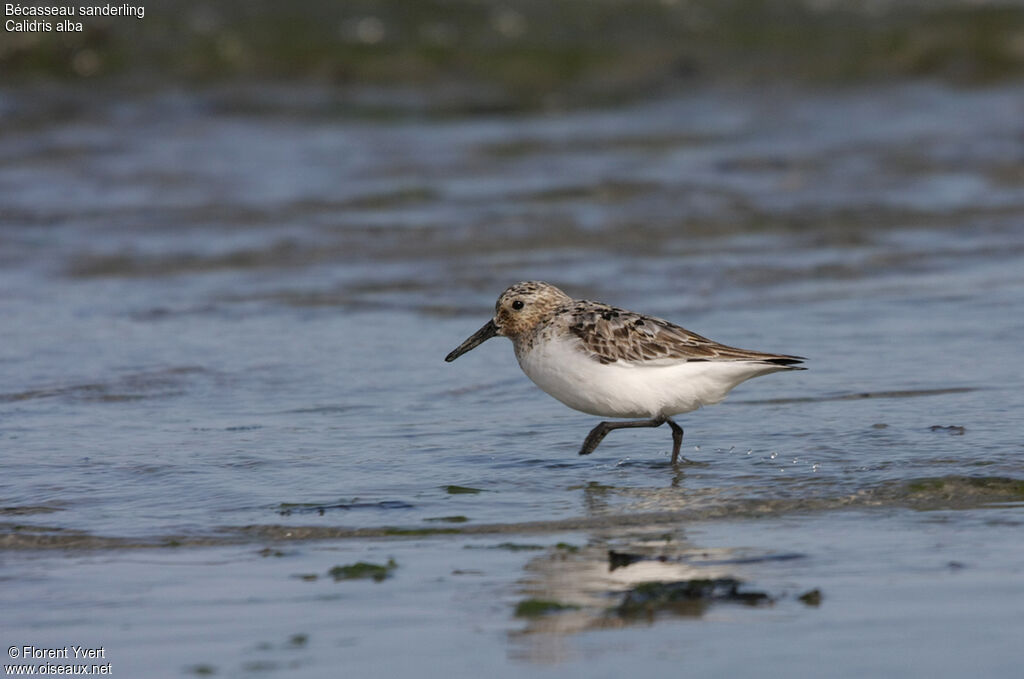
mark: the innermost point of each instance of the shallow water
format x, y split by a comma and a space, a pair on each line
224, 332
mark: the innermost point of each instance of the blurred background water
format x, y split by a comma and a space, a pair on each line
237, 240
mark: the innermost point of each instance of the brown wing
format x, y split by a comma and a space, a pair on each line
611, 334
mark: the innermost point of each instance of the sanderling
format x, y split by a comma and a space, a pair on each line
610, 362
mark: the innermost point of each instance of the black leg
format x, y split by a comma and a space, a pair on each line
598, 433
677, 440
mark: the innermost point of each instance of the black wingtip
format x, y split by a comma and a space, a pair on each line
791, 362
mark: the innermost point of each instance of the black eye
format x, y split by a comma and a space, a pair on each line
517, 305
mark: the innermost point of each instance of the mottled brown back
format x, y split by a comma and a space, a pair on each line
612, 334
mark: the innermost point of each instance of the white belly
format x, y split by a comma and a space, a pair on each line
619, 389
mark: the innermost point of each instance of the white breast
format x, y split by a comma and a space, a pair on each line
638, 390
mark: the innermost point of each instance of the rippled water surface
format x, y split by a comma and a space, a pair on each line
222, 347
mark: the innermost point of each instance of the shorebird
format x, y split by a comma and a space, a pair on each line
610, 362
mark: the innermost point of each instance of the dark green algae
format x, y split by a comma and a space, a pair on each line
363, 570
528, 608
462, 490
951, 492
687, 597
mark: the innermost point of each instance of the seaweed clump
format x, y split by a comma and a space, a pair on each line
362, 569
529, 608
686, 597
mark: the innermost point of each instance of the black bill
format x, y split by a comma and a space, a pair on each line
477, 338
